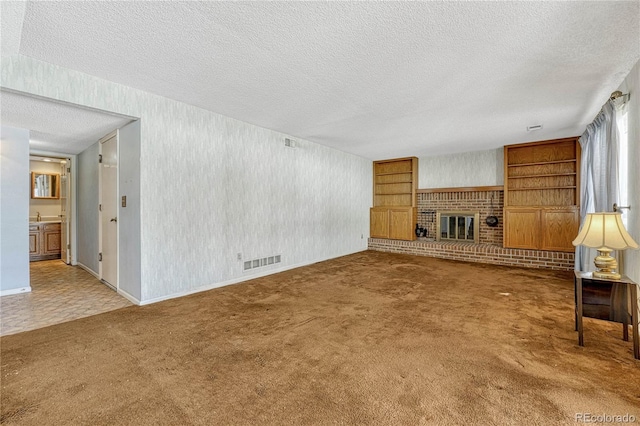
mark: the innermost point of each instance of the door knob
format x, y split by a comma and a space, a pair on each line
115, 219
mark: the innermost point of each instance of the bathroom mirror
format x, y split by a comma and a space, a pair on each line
45, 185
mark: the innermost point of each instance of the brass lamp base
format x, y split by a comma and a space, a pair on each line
606, 265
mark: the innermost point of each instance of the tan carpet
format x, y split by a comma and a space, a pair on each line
370, 338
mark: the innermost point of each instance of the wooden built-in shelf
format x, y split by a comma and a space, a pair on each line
393, 173
541, 197
543, 175
535, 188
538, 163
393, 214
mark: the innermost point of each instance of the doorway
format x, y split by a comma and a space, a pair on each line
65, 210
71, 131
50, 207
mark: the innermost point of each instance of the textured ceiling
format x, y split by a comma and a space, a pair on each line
377, 79
54, 126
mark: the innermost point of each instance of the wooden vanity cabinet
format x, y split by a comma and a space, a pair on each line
44, 241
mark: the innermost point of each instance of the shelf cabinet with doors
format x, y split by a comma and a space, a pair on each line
521, 227
396, 223
393, 214
559, 228
379, 222
549, 228
541, 194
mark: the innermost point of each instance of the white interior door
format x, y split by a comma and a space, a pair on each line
109, 211
65, 177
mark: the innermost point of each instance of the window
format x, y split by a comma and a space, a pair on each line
623, 162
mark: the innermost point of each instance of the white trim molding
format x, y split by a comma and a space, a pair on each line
89, 270
15, 291
129, 297
244, 278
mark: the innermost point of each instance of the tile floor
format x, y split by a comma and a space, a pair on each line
59, 293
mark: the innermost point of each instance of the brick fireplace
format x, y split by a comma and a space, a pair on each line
434, 201
486, 248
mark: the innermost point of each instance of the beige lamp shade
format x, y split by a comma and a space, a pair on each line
605, 230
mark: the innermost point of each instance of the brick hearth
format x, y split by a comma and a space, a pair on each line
480, 253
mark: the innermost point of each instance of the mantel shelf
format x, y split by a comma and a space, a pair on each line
395, 193
461, 189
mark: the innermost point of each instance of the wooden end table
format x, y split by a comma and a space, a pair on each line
607, 300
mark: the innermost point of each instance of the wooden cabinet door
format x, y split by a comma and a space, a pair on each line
559, 228
402, 223
522, 228
379, 218
51, 239
34, 243
51, 242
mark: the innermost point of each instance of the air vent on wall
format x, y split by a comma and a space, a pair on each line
534, 127
259, 263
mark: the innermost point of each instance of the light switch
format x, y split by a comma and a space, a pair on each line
124, 201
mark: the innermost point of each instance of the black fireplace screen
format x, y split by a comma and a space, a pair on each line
457, 226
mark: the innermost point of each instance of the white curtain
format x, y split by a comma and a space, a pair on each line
599, 185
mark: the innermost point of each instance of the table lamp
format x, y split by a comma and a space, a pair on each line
605, 232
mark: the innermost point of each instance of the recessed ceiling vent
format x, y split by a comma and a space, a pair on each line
289, 143
534, 127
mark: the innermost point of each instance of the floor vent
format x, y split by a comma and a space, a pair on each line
259, 263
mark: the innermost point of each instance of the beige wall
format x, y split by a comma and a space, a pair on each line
49, 209
477, 168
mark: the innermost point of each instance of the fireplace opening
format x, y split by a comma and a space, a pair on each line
457, 226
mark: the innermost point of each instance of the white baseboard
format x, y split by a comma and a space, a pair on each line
222, 284
89, 270
237, 280
15, 291
129, 297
